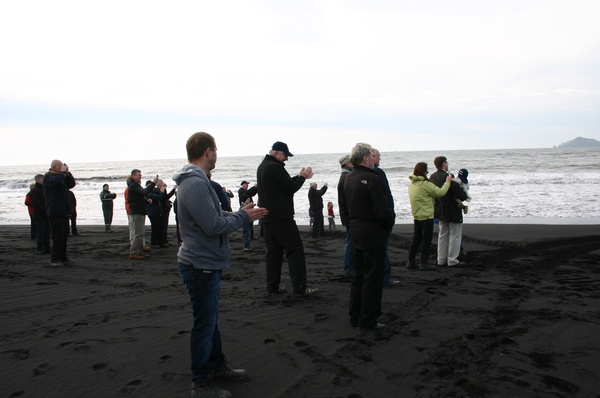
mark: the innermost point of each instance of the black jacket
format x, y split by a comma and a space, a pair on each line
315, 198
446, 208
137, 197
56, 186
341, 199
276, 189
38, 202
366, 206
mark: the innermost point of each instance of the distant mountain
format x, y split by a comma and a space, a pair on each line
580, 143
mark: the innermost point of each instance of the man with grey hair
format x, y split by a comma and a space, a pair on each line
276, 190
371, 222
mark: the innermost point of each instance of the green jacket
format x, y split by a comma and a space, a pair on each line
422, 196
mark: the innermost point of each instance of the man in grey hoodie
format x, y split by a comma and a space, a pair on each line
204, 253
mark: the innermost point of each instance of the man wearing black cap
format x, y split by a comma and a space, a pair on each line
245, 196
276, 192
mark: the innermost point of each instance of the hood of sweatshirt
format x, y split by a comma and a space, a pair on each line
189, 170
413, 178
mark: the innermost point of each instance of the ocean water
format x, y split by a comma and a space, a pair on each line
555, 185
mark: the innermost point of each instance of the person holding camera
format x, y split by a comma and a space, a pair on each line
56, 183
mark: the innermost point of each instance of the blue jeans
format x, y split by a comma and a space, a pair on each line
247, 232
349, 253
205, 340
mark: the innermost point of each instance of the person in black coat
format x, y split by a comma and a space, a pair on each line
276, 190
371, 222
57, 182
315, 199
40, 217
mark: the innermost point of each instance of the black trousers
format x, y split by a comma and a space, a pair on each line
422, 236
281, 238
318, 227
59, 229
367, 285
108, 214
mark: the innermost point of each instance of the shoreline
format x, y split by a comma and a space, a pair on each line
520, 319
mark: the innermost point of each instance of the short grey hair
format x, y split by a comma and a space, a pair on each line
359, 151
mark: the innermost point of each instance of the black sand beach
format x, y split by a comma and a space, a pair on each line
522, 319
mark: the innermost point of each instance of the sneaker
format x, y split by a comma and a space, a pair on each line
227, 372
308, 291
56, 264
247, 249
208, 390
146, 248
137, 256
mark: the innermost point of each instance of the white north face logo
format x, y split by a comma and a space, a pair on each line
364, 181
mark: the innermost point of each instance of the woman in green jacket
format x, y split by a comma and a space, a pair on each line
423, 193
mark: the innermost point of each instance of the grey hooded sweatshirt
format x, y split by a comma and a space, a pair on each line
203, 225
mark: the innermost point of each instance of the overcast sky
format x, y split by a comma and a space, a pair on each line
128, 80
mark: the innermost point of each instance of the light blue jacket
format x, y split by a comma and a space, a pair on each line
203, 225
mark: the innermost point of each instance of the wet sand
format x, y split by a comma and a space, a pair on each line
521, 319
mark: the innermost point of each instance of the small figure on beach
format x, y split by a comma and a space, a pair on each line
107, 198
463, 181
166, 206
276, 190
155, 213
387, 274
243, 194
331, 217
371, 220
204, 254
450, 216
422, 194
30, 212
137, 198
315, 199
346, 166
57, 182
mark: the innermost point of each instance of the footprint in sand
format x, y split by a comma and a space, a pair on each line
164, 358
269, 341
130, 388
21, 353
321, 317
41, 369
103, 370
17, 394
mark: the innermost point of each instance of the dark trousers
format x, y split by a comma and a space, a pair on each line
367, 285
73, 219
32, 227
164, 227
318, 227
422, 236
59, 229
108, 215
156, 230
281, 238
42, 235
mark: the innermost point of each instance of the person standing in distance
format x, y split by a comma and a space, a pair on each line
371, 222
276, 192
315, 199
107, 199
204, 253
